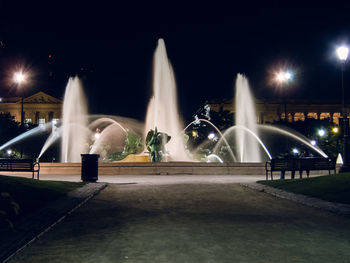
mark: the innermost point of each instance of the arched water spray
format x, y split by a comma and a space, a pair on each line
74, 140
162, 110
54, 136
218, 131
247, 146
105, 122
294, 136
27, 134
245, 129
214, 156
111, 137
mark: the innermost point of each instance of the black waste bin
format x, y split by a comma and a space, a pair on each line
89, 167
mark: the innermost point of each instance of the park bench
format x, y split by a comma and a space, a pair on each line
20, 165
300, 164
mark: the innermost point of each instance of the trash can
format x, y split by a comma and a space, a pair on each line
89, 167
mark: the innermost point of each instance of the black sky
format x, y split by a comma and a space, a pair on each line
111, 45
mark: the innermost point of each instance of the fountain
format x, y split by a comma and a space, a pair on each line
247, 146
244, 136
74, 121
82, 133
162, 111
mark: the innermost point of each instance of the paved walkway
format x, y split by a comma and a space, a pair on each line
192, 222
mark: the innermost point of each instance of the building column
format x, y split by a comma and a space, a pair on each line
292, 114
305, 115
36, 118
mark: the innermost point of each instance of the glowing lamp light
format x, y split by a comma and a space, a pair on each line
321, 133
9, 152
313, 142
295, 151
284, 76
342, 53
335, 129
19, 77
211, 136
194, 133
280, 77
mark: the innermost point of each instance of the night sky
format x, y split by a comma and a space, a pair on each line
110, 46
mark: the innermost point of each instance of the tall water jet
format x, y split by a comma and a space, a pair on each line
247, 146
74, 122
162, 110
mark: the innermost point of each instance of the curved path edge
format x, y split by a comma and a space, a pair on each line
36, 225
338, 208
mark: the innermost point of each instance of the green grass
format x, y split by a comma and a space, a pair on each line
32, 195
334, 188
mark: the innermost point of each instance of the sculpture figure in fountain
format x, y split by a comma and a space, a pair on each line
75, 134
162, 110
247, 146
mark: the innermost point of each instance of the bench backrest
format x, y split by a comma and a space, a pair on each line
282, 164
16, 164
315, 163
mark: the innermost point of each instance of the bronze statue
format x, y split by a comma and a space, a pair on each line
155, 142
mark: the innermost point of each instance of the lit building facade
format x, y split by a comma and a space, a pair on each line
268, 111
39, 108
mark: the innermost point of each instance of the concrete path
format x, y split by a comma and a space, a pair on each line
192, 222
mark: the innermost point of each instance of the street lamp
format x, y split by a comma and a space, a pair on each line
19, 78
284, 77
342, 53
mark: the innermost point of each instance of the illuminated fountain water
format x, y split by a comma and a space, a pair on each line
244, 142
245, 137
163, 110
247, 146
74, 123
78, 131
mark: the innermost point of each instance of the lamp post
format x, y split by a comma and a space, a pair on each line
283, 77
342, 53
19, 78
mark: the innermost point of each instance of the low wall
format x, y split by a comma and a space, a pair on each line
168, 168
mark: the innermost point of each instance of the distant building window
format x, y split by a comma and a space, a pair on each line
28, 120
42, 123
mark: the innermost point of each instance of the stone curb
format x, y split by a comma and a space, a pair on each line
36, 225
338, 208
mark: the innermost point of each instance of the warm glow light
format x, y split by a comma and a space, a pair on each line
342, 53
194, 133
19, 77
335, 129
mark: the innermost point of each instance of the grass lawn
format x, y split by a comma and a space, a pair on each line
334, 188
32, 195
